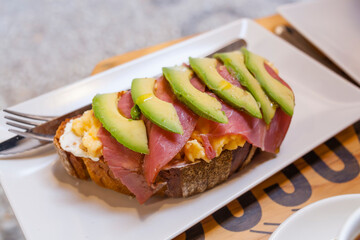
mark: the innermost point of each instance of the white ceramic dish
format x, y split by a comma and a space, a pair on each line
321, 220
351, 228
48, 202
333, 27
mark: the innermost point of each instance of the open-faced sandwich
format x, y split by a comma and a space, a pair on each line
183, 132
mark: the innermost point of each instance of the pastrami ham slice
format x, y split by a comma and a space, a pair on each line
209, 150
125, 104
256, 132
227, 76
164, 145
125, 165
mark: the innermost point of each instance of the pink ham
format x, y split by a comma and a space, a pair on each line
256, 132
274, 75
125, 104
116, 154
225, 74
164, 145
209, 150
197, 84
125, 165
253, 129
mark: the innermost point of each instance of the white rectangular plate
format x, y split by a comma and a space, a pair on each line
333, 27
48, 202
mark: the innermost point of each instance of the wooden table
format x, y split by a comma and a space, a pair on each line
328, 170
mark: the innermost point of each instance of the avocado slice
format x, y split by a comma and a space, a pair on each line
241, 99
277, 91
128, 132
234, 62
201, 103
156, 110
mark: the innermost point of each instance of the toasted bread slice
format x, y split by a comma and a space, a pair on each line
183, 179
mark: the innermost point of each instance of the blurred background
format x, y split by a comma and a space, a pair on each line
46, 44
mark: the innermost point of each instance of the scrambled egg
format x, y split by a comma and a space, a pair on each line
194, 148
87, 127
228, 142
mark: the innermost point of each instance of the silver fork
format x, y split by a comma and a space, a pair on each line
27, 125
32, 131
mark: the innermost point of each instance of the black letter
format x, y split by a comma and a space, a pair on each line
350, 171
196, 232
251, 217
302, 188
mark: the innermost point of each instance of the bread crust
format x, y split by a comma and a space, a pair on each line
85, 168
183, 179
73, 165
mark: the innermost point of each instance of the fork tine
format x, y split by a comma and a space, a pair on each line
41, 137
28, 122
31, 116
18, 126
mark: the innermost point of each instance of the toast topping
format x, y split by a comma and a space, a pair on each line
206, 69
74, 144
159, 112
197, 100
86, 127
275, 89
128, 132
234, 63
228, 142
194, 150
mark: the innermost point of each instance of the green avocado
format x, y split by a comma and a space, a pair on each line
277, 91
201, 103
135, 112
156, 110
128, 132
234, 62
241, 99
